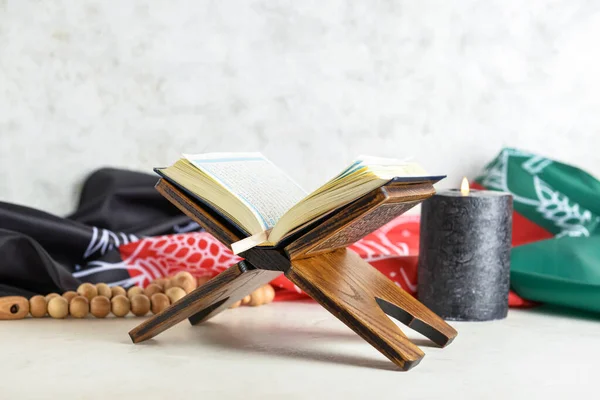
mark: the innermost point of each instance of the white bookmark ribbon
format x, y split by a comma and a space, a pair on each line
247, 243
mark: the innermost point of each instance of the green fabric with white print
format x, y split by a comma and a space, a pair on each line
565, 201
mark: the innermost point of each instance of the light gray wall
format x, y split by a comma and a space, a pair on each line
311, 84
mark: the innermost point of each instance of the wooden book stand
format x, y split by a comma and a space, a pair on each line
316, 260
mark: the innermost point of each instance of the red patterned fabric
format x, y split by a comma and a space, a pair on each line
392, 249
155, 257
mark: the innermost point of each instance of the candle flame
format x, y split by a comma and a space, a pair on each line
464, 187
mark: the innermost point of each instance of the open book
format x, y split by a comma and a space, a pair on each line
262, 200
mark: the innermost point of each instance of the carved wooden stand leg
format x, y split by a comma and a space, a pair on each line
207, 301
347, 286
360, 296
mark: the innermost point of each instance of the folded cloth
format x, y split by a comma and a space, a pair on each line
125, 233
43, 253
556, 228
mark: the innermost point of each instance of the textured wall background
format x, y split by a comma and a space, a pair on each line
86, 84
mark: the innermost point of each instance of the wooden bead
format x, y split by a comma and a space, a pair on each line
269, 293
186, 281
152, 289
87, 290
79, 307
117, 290
169, 283
140, 305
246, 300
69, 295
120, 305
202, 280
132, 291
100, 306
38, 306
236, 304
175, 293
159, 301
58, 307
104, 290
13, 307
51, 295
160, 282
257, 297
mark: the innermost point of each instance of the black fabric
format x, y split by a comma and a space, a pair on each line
40, 252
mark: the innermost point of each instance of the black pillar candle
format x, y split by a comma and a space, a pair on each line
464, 254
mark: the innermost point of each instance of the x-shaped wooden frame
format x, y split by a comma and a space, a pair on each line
317, 261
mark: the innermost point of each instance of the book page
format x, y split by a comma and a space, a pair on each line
264, 188
362, 176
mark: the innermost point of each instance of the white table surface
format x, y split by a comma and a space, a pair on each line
296, 350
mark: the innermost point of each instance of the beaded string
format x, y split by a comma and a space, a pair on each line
100, 300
